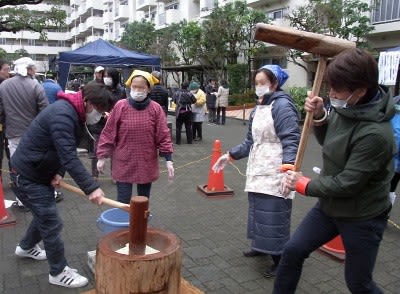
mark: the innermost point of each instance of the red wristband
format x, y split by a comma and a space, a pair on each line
301, 185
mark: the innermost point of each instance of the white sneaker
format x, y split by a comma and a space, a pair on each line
35, 252
68, 278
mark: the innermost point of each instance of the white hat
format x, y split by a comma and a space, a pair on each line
22, 64
98, 69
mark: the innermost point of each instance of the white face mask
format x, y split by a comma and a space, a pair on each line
193, 91
108, 81
262, 90
338, 103
93, 117
138, 96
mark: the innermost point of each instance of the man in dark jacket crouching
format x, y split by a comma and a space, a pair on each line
46, 151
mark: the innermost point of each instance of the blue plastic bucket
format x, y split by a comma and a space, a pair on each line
113, 219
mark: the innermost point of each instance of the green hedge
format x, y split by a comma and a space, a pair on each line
239, 99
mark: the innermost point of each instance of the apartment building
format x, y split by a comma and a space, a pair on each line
40, 51
88, 20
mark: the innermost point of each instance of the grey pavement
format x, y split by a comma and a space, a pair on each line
212, 231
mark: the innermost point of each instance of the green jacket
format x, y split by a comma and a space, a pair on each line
358, 149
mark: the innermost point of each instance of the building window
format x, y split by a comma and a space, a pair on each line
278, 60
277, 14
386, 11
31, 42
3, 41
172, 6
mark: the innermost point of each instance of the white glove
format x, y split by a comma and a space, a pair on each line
171, 172
284, 189
100, 165
221, 163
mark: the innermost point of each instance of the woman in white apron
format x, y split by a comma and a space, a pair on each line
272, 140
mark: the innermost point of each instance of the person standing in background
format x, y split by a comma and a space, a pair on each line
4, 74
21, 99
159, 93
51, 88
183, 112
222, 102
211, 99
198, 110
98, 75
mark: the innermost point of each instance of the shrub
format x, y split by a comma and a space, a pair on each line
245, 98
299, 95
237, 77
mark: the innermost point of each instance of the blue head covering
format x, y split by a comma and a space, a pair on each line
280, 75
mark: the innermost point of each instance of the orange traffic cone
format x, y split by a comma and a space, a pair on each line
6, 217
335, 248
215, 186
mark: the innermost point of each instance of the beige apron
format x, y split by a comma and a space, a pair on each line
265, 157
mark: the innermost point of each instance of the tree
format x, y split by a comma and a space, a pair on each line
187, 40
346, 19
139, 36
15, 16
163, 46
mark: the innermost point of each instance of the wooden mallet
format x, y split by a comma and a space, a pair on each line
106, 200
324, 46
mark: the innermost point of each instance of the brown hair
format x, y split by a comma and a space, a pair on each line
353, 69
98, 95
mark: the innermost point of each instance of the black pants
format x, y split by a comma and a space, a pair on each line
197, 130
221, 113
184, 118
212, 115
394, 182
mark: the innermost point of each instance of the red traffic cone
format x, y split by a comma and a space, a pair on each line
335, 248
6, 217
215, 186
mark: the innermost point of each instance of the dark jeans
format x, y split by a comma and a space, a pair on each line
361, 241
184, 118
197, 130
221, 113
212, 115
92, 149
124, 191
46, 224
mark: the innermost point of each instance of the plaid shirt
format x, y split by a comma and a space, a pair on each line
134, 138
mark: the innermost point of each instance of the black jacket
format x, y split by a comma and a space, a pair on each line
49, 147
160, 95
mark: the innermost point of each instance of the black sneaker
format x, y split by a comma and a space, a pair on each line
270, 272
18, 205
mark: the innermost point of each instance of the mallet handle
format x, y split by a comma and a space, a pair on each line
319, 76
106, 200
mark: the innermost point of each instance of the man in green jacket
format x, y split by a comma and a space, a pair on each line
353, 186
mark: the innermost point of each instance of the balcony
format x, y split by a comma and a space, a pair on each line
122, 13
108, 17
95, 22
261, 3
82, 28
173, 16
95, 4
145, 5
106, 1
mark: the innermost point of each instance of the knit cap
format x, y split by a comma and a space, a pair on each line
194, 86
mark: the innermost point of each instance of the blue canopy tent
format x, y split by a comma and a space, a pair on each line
101, 52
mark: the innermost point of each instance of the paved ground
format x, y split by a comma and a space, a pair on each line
212, 231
